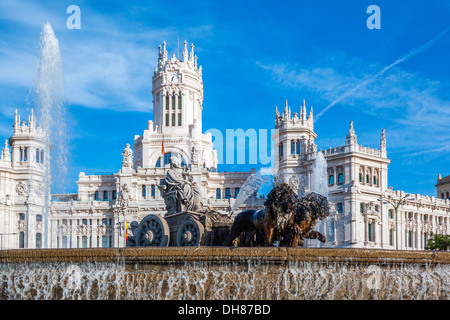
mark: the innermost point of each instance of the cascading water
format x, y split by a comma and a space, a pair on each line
47, 98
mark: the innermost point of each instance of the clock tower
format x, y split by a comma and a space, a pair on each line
176, 128
177, 90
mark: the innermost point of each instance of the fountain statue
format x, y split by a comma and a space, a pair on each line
278, 209
312, 208
180, 193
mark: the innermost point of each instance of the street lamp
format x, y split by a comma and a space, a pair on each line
395, 203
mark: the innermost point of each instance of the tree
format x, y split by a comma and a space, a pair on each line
438, 242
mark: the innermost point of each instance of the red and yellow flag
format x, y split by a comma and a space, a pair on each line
162, 147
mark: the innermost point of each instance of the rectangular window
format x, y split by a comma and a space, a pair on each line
114, 195
84, 241
167, 102
173, 102
173, 119
179, 119
217, 193
42, 156
167, 120
361, 207
96, 195
21, 154
370, 231
38, 240
64, 242
144, 192
391, 237
22, 240
236, 192
105, 242
37, 156
227, 193
292, 147
410, 239
340, 207
105, 195
391, 214
25, 154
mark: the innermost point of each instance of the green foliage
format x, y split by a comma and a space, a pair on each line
438, 242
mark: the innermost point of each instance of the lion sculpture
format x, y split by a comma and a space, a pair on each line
312, 208
278, 210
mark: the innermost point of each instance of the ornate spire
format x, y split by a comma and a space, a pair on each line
383, 141
185, 52
164, 52
6, 155
304, 110
191, 55
351, 137
277, 114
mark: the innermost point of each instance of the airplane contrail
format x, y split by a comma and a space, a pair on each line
381, 72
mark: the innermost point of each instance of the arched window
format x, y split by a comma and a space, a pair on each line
153, 192
37, 155
179, 101
360, 177
374, 180
173, 104
292, 147
331, 180
340, 178
280, 150
297, 147
367, 179
448, 195
167, 102
42, 156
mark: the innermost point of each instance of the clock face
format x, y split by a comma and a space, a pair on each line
173, 77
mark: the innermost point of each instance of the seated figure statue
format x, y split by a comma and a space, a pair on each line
186, 193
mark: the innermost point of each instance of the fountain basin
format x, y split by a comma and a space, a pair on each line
219, 273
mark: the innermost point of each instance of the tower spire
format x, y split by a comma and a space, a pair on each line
185, 52
304, 110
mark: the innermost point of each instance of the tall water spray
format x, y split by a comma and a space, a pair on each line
319, 175
253, 183
48, 101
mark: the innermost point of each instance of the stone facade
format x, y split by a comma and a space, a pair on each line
97, 215
443, 187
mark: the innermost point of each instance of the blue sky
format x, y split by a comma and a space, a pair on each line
255, 55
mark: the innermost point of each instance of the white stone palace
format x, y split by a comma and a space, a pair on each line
362, 215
